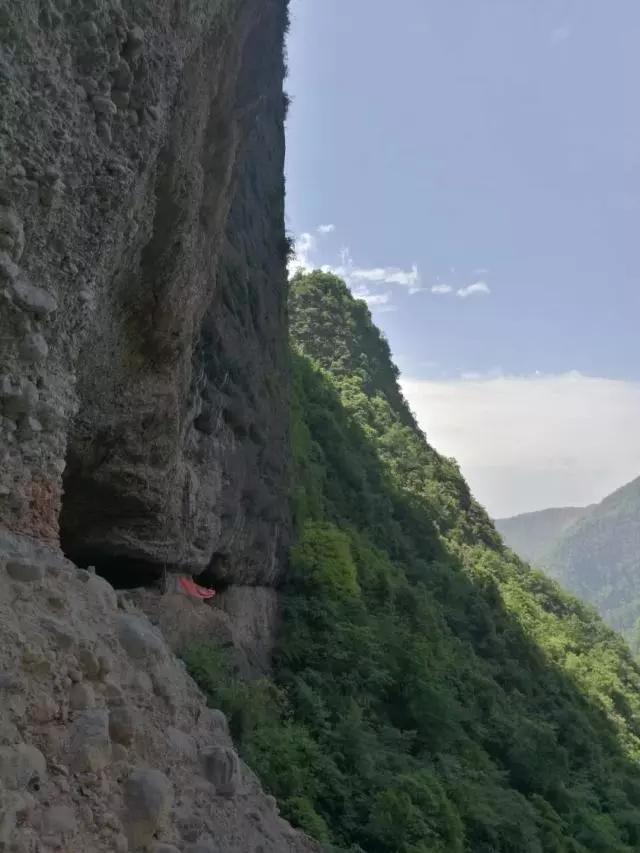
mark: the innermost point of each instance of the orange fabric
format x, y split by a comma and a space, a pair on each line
194, 590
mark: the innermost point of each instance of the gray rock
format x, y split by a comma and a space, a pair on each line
90, 745
32, 298
89, 663
11, 233
138, 638
120, 99
81, 697
122, 725
203, 847
59, 821
8, 681
221, 766
26, 571
35, 348
181, 744
22, 765
148, 797
161, 847
214, 720
122, 77
113, 694
103, 105
89, 30
19, 397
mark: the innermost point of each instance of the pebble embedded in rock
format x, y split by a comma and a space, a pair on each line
11, 233
89, 663
81, 697
33, 298
213, 718
120, 99
122, 725
89, 30
148, 796
103, 105
221, 767
119, 752
122, 78
22, 765
60, 820
104, 131
120, 844
138, 638
90, 745
25, 571
35, 348
113, 694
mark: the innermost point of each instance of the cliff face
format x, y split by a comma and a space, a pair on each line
142, 282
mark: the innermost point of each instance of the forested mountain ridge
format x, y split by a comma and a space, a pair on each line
430, 691
532, 534
598, 558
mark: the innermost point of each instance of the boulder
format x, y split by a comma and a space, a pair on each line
148, 797
221, 766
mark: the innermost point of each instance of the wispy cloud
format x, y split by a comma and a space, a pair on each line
308, 250
372, 298
559, 35
305, 259
387, 275
529, 442
478, 287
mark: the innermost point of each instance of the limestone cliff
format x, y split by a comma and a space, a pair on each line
142, 282
143, 412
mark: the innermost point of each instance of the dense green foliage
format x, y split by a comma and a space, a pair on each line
533, 534
598, 558
433, 693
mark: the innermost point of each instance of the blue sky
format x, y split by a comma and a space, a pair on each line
479, 161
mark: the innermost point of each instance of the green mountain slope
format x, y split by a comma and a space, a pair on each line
532, 534
598, 558
431, 693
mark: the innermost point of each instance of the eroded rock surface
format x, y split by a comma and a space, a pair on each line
140, 763
142, 282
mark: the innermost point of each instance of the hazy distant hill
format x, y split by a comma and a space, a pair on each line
598, 557
594, 552
532, 534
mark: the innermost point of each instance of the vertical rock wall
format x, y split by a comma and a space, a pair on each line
142, 283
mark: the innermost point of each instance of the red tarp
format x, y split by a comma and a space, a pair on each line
195, 591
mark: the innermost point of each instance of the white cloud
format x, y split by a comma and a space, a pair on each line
472, 289
372, 298
441, 288
559, 35
388, 275
303, 247
305, 259
526, 443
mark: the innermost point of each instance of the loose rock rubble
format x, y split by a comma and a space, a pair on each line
105, 742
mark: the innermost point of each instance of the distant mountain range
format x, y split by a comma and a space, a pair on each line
532, 534
593, 551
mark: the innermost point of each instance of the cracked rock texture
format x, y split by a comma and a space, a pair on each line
106, 744
142, 283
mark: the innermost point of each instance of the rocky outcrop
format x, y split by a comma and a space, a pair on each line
105, 743
142, 282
